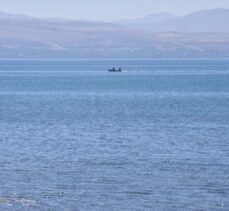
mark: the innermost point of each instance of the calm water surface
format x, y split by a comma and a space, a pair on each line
76, 137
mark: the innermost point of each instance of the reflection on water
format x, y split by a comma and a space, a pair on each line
16, 200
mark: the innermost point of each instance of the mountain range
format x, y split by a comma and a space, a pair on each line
199, 35
202, 21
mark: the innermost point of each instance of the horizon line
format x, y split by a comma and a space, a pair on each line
103, 20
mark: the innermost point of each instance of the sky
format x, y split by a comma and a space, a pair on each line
106, 9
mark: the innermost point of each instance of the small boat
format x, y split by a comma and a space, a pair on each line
115, 70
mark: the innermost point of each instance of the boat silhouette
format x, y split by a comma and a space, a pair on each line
115, 70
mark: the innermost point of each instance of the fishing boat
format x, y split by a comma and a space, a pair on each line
115, 70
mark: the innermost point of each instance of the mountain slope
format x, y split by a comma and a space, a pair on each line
149, 19
146, 22
32, 38
202, 21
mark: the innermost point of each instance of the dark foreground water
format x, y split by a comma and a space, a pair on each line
76, 137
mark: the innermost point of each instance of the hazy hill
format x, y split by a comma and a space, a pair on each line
25, 37
202, 21
149, 19
4, 15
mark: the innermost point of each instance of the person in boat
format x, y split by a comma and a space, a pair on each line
112, 70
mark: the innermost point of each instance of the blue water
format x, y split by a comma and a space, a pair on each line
76, 137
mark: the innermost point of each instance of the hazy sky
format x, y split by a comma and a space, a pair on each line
106, 9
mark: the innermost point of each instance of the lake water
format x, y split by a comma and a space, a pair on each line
75, 137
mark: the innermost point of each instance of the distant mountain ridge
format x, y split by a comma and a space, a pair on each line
215, 20
153, 18
23, 37
4, 15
